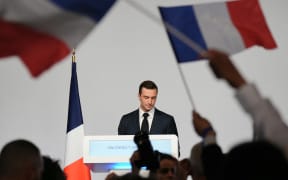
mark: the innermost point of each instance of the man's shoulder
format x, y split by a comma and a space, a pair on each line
133, 113
162, 113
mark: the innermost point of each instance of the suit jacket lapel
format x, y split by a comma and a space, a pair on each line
136, 120
155, 124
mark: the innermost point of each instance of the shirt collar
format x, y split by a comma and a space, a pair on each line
151, 112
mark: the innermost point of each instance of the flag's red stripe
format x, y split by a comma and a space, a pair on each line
248, 18
37, 50
77, 171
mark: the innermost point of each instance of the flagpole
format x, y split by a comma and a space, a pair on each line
75, 167
182, 37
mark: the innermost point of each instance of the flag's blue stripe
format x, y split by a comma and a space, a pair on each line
75, 113
183, 19
94, 9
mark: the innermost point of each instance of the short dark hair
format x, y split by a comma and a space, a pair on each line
16, 154
148, 85
52, 170
256, 160
163, 156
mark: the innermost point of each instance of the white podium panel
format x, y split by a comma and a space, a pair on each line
106, 153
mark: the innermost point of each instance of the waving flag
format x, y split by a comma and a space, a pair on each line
75, 169
43, 32
228, 26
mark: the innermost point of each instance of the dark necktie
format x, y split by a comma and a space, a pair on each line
145, 124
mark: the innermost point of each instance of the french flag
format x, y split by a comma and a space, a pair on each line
228, 26
43, 32
75, 169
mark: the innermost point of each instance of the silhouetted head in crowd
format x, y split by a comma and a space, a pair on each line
168, 167
128, 176
131, 176
52, 170
20, 159
256, 160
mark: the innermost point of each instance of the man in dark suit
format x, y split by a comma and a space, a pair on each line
158, 121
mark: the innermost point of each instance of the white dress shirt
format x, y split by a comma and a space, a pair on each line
150, 117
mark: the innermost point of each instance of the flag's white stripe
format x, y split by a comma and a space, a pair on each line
44, 16
211, 19
74, 145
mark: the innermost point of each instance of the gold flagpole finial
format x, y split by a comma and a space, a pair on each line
73, 55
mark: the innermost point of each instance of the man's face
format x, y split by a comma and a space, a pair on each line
167, 170
147, 99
